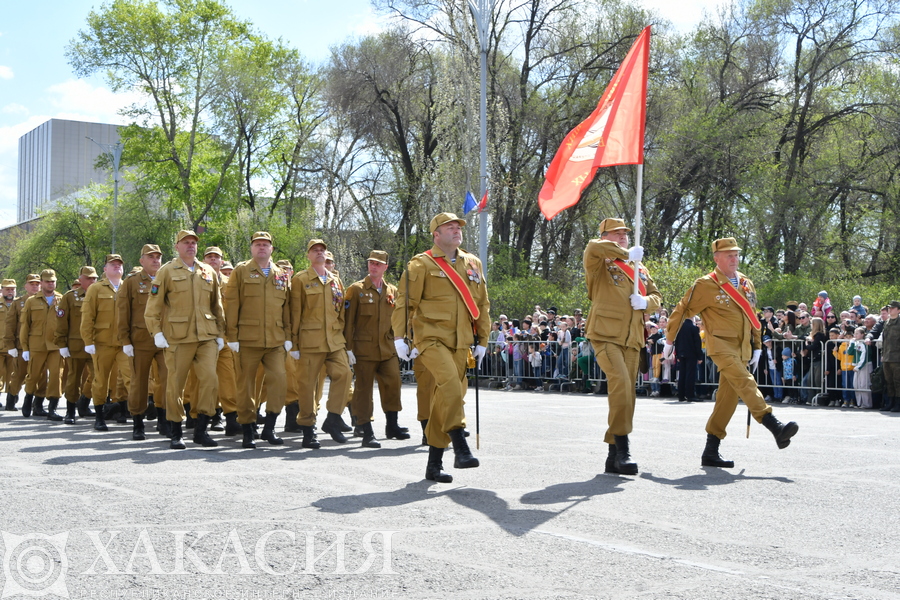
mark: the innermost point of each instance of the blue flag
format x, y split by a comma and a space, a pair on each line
470, 203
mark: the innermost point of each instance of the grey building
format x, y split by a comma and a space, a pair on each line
56, 159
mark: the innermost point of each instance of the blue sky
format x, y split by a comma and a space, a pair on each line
36, 82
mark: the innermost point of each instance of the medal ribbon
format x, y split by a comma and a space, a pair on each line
458, 283
741, 301
630, 273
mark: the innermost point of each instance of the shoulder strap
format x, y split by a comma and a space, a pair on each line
739, 298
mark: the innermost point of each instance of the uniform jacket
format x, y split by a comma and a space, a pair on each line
68, 325
4, 311
728, 329
186, 307
13, 323
317, 312
131, 302
39, 323
257, 307
367, 322
98, 315
436, 309
611, 318
890, 341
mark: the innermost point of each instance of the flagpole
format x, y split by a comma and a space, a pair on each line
637, 221
482, 11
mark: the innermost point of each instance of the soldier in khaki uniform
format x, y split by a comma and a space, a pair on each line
71, 347
317, 331
38, 347
225, 365
726, 301
14, 348
615, 328
258, 329
370, 348
137, 344
100, 335
184, 315
292, 397
443, 318
7, 362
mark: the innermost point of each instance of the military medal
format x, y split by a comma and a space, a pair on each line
60, 313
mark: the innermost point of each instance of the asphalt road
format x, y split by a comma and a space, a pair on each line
96, 515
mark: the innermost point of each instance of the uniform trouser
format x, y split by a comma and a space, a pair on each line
104, 359
226, 373
46, 364
621, 366
735, 382
144, 357
74, 387
320, 386
7, 368
272, 361
891, 371
424, 390
293, 389
20, 371
387, 372
179, 359
308, 368
447, 367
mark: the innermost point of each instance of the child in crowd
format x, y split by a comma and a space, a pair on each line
833, 366
845, 354
655, 345
862, 368
788, 376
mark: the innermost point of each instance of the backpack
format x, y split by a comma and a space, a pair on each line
876, 380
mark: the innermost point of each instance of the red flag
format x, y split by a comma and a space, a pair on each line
483, 204
612, 135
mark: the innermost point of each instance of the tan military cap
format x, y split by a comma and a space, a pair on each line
262, 235
329, 255
8, 283
150, 249
725, 245
32, 277
612, 225
227, 266
284, 264
379, 256
88, 271
48, 275
313, 242
442, 218
213, 250
112, 257
185, 233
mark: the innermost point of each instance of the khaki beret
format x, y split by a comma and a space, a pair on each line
262, 235
313, 242
150, 249
213, 250
8, 283
442, 218
112, 257
88, 271
32, 277
48, 275
329, 255
184, 233
379, 256
612, 225
725, 245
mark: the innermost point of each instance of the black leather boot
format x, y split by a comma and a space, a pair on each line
52, 403
189, 421
887, 403
434, 470
71, 410
260, 419
424, 425
26, 405
332, 426
268, 432
200, 435
232, 427
110, 409
309, 437
623, 462
99, 421
611, 459
84, 407
344, 427
782, 432
11, 402
391, 429
216, 424
711, 457
177, 441
137, 428
150, 413
163, 426
290, 417
463, 458
368, 437
247, 442
123, 414
37, 407
896, 405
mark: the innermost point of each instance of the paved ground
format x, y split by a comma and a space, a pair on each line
537, 520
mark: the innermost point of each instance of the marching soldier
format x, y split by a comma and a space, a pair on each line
99, 332
7, 362
137, 344
71, 347
292, 398
258, 329
320, 382
370, 347
317, 326
12, 343
447, 298
38, 348
726, 301
184, 315
615, 328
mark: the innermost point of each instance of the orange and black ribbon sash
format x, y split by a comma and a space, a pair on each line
458, 282
741, 301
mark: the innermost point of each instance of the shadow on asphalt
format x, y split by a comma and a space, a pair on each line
712, 477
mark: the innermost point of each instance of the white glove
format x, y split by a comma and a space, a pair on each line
479, 353
414, 353
159, 339
351, 357
402, 349
64, 352
635, 254
235, 346
638, 302
14, 353
220, 343
26, 355
90, 349
288, 344
295, 354
128, 349
755, 360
